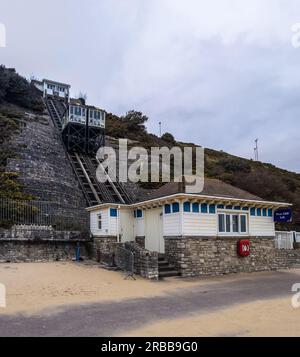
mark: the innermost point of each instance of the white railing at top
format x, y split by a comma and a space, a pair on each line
284, 240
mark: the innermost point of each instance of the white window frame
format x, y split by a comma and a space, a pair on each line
232, 213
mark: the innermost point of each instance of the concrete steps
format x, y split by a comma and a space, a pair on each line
165, 269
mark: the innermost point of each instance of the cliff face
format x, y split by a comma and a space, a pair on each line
42, 164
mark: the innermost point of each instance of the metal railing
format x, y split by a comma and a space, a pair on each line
124, 260
40, 213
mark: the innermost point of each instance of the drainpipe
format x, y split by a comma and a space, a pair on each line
118, 222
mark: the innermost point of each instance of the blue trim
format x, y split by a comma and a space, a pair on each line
270, 212
195, 207
187, 207
113, 212
212, 209
265, 212
167, 209
175, 207
259, 212
204, 208
252, 211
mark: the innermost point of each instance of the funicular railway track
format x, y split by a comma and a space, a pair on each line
86, 166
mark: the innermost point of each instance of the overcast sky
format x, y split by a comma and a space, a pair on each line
217, 73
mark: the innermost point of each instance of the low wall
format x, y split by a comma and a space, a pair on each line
140, 240
194, 256
145, 262
33, 244
103, 248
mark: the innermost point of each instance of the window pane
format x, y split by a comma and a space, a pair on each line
270, 212
212, 209
139, 213
204, 208
252, 211
196, 207
259, 212
221, 223
167, 209
265, 212
228, 223
175, 207
99, 221
113, 212
187, 207
243, 224
235, 223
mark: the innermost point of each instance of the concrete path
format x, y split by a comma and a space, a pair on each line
108, 319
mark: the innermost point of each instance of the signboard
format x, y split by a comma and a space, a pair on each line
243, 247
283, 215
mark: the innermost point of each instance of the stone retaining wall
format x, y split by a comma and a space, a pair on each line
194, 256
37, 251
31, 244
103, 248
145, 262
140, 241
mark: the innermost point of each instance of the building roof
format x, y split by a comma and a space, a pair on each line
54, 82
212, 187
78, 101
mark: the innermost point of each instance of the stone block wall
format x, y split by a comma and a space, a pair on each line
39, 251
195, 256
140, 241
103, 248
32, 244
145, 262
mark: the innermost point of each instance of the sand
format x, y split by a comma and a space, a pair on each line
32, 287
274, 318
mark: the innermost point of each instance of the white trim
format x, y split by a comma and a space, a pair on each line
178, 196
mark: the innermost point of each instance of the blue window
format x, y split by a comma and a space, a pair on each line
196, 207
212, 209
175, 207
252, 211
270, 212
71, 109
187, 207
204, 208
139, 213
265, 212
167, 209
113, 212
237, 208
229, 207
245, 208
259, 212
221, 206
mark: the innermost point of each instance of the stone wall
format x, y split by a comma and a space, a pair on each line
37, 251
140, 241
43, 167
103, 248
145, 262
194, 256
31, 244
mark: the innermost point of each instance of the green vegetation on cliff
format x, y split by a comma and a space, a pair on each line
261, 179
